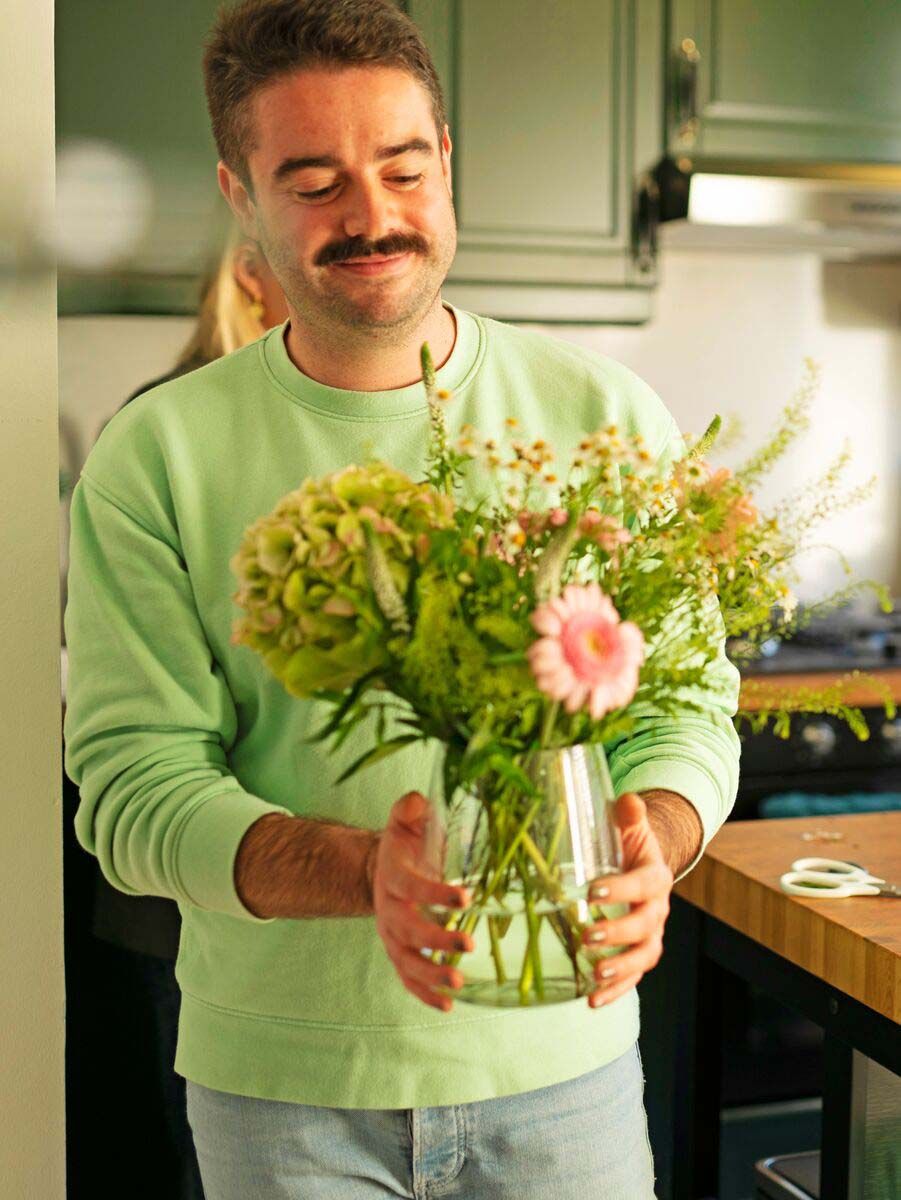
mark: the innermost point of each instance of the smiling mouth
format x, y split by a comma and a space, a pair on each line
375, 264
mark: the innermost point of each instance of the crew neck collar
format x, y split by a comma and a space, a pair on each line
397, 402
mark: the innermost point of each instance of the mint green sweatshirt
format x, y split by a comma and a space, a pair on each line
179, 741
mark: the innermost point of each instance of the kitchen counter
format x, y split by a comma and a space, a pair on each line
838, 962
861, 693
854, 944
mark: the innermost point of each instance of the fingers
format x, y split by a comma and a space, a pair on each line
633, 887
417, 969
637, 961
647, 888
413, 932
399, 889
433, 999
617, 987
417, 972
643, 922
413, 888
618, 974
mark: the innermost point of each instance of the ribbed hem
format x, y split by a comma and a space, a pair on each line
689, 781
497, 1053
208, 842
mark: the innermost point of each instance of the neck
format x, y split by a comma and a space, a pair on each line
367, 360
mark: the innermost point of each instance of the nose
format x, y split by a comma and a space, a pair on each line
369, 211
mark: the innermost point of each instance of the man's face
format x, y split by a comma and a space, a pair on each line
353, 204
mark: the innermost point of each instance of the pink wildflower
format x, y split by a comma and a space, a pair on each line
741, 514
587, 653
558, 517
714, 484
604, 530
739, 511
496, 548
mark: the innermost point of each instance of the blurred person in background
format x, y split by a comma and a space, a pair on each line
139, 935
240, 300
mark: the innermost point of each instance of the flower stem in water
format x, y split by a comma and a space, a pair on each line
534, 950
500, 973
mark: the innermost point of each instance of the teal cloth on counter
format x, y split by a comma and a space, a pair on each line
810, 804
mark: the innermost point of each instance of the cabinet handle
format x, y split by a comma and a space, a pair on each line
686, 88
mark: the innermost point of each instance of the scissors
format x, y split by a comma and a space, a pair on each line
831, 879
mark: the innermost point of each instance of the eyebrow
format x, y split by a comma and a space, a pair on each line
289, 165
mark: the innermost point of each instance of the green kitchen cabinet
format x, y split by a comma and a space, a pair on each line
554, 109
128, 76
792, 80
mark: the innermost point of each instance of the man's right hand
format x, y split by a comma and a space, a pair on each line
399, 887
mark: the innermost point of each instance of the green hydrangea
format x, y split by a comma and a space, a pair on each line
311, 606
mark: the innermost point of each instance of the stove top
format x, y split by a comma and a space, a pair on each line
842, 641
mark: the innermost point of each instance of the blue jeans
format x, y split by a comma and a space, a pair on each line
585, 1139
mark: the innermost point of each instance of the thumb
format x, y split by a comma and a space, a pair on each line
630, 810
410, 813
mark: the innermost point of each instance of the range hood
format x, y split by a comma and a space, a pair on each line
840, 210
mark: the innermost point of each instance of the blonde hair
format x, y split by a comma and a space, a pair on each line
225, 319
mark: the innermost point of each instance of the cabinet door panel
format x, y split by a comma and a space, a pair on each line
538, 154
806, 80
550, 124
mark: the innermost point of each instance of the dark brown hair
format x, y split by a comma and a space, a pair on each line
257, 41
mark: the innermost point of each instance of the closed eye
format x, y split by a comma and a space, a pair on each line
321, 193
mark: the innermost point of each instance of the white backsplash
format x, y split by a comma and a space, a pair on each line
729, 335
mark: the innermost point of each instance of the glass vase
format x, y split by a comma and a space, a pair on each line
527, 847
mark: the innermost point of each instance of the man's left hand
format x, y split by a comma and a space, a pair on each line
645, 884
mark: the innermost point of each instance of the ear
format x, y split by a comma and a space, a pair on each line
244, 269
447, 147
238, 199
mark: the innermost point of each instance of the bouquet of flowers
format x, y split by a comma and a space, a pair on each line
511, 613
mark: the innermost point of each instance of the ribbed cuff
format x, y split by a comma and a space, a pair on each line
208, 845
689, 781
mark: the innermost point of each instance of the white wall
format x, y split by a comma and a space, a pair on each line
729, 335
32, 1002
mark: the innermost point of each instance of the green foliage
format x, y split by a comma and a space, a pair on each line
381, 595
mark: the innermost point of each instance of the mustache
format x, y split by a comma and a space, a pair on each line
359, 247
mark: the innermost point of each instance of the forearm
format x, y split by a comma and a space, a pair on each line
676, 826
294, 867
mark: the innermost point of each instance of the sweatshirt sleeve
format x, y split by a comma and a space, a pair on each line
149, 716
695, 753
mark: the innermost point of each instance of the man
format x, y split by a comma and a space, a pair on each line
311, 1072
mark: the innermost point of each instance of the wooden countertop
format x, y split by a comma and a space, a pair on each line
859, 692
853, 944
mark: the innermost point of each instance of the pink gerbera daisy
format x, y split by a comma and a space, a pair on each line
587, 653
